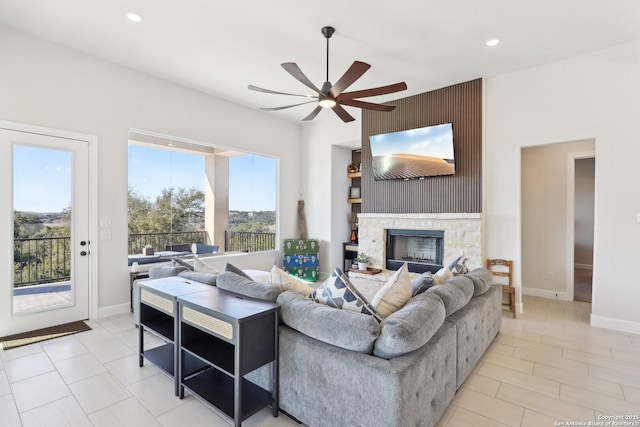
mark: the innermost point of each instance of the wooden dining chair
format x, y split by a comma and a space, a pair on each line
502, 268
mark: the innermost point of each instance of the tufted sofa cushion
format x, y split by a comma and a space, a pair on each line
160, 271
241, 285
410, 327
455, 293
342, 328
209, 279
482, 280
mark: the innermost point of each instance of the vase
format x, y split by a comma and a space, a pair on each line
354, 236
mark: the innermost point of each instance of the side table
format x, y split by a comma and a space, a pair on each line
159, 314
234, 335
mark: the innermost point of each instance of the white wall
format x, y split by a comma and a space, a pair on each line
544, 218
594, 96
51, 86
318, 168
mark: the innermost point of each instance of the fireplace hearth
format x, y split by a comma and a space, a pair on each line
423, 250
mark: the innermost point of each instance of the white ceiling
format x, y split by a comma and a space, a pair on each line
219, 47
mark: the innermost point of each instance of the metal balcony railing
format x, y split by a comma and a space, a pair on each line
48, 259
159, 241
248, 241
41, 260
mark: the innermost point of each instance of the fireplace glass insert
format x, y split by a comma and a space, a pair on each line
423, 250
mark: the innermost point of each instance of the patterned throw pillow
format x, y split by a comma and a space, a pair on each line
338, 292
287, 282
459, 266
395, 293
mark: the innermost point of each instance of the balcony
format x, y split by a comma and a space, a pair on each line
46, 260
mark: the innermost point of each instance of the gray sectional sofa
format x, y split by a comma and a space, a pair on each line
341, 368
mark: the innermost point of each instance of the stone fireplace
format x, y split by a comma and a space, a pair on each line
461, 235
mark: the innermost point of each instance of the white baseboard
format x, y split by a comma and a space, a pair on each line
545, 293
615, 324
114, 310
583, 266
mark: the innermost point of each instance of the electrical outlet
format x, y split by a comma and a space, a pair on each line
550, 275
105, 222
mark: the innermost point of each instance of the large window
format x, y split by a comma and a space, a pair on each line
182, 194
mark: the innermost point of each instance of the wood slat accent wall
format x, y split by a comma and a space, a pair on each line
461, 105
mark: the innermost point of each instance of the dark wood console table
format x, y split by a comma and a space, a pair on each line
234, 335
159, 315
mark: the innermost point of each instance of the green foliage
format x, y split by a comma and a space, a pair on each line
172, 211
41, 251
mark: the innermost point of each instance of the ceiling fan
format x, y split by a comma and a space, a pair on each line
333, 96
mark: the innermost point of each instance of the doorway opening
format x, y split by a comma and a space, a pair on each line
583, 220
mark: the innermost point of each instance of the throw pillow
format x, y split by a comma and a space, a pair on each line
287, 282
259, 276
442, 275
338, 291
459, 266
395, 293
422, 283
201, 267
233, 269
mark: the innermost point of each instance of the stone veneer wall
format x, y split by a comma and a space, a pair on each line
462, 234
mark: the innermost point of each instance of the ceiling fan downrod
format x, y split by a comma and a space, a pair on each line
327, 32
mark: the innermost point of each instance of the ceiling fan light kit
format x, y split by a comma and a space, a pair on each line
333, 96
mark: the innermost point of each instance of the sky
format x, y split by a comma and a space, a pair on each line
42, 179
252, 178
434, 141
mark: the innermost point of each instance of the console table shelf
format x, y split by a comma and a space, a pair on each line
234, 335
159, 315
217, 388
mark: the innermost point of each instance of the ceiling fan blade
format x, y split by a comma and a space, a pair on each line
286, 106
313, 114
354, 72
293, 69
342, 113
259, 89
367, 105
375, 91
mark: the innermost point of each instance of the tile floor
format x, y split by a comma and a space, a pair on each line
548, 365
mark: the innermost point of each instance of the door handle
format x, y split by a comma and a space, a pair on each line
84, 253
83, 243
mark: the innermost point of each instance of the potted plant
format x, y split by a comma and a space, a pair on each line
147, 250
363, 261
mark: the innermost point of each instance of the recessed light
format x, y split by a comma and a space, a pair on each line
492, 42
134, 17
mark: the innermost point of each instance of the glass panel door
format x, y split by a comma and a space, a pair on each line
45, 277
42, 213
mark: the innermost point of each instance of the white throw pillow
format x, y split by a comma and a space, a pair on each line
395, 293
202, 267
259, 276
289, 283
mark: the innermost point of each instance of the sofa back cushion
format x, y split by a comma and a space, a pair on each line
241, 285
455, 293
411, 327
342, 328
482, 280
209, 279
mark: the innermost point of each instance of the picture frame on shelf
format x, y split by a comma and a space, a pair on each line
354, 192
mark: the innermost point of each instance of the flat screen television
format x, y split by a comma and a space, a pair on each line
413, 153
